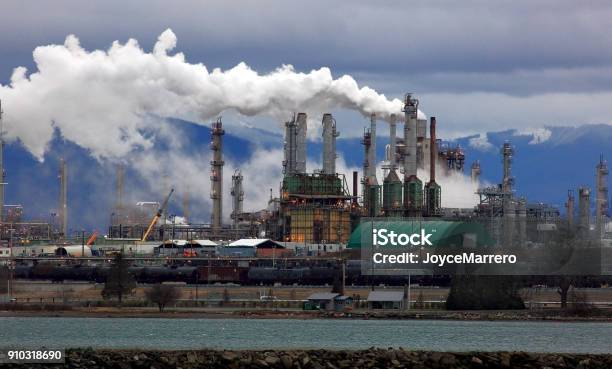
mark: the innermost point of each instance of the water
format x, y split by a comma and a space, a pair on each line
441, 335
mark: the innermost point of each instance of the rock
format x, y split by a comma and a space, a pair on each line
305, 360
229, 356
476, 361
504, 358
448, 360
272, 360
287, 361
261, 363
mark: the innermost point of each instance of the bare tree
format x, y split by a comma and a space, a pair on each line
162, 295
119, 281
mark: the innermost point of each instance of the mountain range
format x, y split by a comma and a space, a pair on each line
546, 164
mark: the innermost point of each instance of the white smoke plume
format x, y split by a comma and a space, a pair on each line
102, 100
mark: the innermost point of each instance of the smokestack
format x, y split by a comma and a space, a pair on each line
476, 172
301, 143
186, 205
289, 163
63, 203
392, 142
237, 197
584, 209
507, 181
569, 208
329, 144
2, 173
433, 152
433, 192
355, 186
413, 187
119, 191
410, 137
601, 199
372, 153
217, 176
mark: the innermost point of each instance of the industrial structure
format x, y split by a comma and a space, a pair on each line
63, 199
216, 176
317, 208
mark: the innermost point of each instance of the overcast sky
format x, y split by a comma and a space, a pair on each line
476, 65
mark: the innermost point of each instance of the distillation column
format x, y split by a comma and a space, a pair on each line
601, 199
433, 192
216, 176
392, 185
329, 144
2, 173
475, 172
413, 187
300, 158
63, 203
237, 197
569, 209
290, 148
584, 210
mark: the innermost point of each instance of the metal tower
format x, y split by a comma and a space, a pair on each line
329, 144
63, 202
216, 176
413, 187
237, 197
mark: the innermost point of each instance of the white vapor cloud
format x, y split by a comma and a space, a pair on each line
102, 100
481, 142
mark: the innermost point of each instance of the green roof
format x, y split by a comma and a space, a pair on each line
444, 233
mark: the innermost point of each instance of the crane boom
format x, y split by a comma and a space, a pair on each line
158, 215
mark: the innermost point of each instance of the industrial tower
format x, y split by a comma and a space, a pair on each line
237, 193
433, 191
329, 144
413, 187
216, 176
63, 202
601, 199
2, 173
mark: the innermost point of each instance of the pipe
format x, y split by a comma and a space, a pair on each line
355, 185
392, 142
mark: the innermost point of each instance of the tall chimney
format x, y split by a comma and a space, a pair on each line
216, 176
237, 197
63, 203
119, 191
569, 208
433, 192
584, 209
433, 152
355, 186
413, 187
301, 143
372, 156
186, 205
392, 142
475, 172
290, 162
601, 199
2, 172
329, 144
507, 181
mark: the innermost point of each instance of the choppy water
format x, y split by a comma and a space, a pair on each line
290, 333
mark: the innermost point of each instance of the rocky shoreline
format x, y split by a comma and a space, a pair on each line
472, 315
320, 359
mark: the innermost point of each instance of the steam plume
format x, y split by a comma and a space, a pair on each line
104, 100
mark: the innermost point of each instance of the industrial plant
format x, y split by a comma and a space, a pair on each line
312, 219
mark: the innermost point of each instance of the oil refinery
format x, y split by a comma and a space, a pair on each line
312, 221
